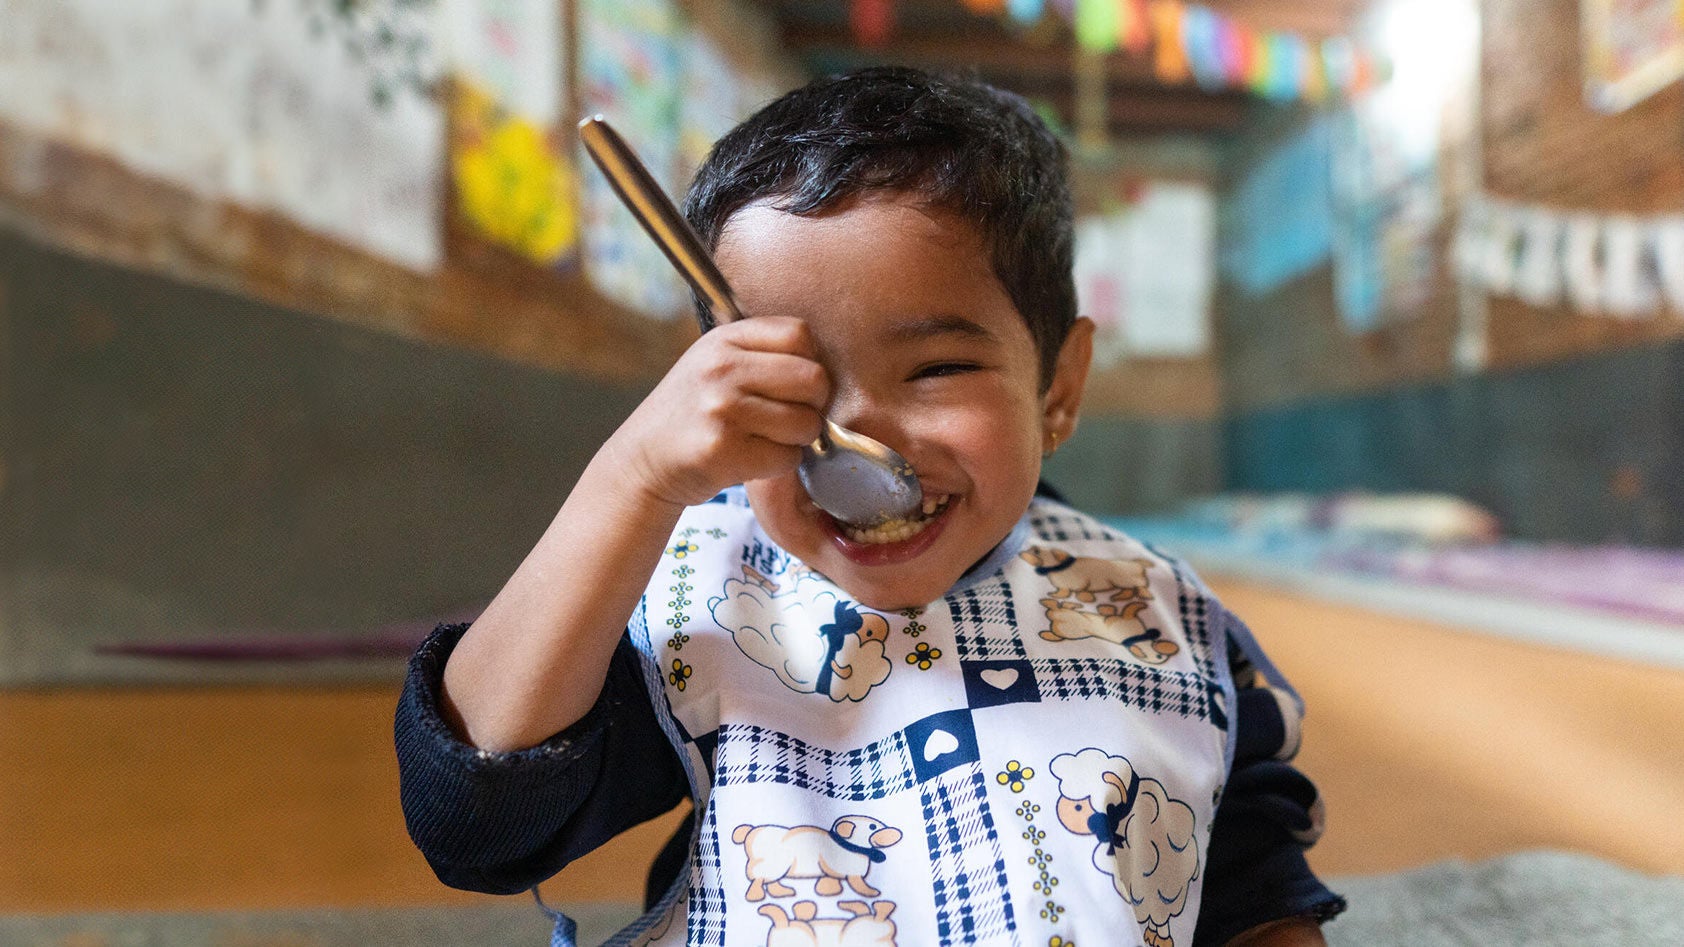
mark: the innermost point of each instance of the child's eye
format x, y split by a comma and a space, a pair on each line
944, 369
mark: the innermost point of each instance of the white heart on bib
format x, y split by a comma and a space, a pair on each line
940, 743
1000, 678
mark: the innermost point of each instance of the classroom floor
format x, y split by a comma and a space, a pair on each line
1428, 743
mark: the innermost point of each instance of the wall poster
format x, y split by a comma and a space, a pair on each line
514, 177
1632, 49
328, 118
629, 70
1278, 220
1145, 272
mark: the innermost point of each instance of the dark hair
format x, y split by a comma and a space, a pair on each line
966, 147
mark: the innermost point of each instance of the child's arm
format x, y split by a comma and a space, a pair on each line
503, 822
737, 406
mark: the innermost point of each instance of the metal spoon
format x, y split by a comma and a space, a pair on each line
855, 479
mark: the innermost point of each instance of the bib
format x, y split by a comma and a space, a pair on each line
1033, 760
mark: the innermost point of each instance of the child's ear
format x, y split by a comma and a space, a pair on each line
1063, 401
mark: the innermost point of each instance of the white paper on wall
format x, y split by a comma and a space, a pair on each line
512, 47
249, 103
1667, 237
1626, 290
1467, 249
1172, 254
1537, 278
1100, 270
1582, 247
1502, 240
1145, 273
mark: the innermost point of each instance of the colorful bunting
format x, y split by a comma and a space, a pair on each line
1338, 59
1169, 61
1025, 11
1134, 27
872, 21
1199, 35
1314, 76
1096, 25
1260, 67
1281, 82
1233, 50
1187, 41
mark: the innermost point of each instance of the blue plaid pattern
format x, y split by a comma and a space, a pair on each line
1195, 620
707, 886
985, 623
967, 870
1160, 691
1051, 521
751, 754
639, 626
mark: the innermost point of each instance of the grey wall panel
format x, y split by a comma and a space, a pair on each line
181, 461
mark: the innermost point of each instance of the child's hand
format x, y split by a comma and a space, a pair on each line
737, 406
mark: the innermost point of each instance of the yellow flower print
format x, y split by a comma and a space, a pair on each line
923, 656
679, 674
1058, 941
1015, 775
680, 550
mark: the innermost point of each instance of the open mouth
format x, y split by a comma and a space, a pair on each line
898, 530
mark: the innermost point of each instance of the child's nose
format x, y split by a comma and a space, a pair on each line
857, 408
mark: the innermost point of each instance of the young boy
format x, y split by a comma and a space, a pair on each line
998, 723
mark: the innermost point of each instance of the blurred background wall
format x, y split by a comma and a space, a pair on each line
311, 312
232, 403
1562, 421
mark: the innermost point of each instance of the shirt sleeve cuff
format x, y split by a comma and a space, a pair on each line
468, 807
1276, 886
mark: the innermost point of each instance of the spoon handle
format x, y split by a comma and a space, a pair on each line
655, 211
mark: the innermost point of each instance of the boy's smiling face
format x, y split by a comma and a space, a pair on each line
927, 354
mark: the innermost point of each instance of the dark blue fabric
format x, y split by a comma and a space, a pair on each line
503, 822
1255, 871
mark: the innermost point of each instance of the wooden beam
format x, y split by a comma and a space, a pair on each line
1195, 113
1131, 112
999, 58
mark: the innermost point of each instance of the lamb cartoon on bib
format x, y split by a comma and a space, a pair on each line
1144, 840
815, 641
867, 925
844, 852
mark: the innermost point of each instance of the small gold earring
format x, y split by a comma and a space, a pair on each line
1053, 446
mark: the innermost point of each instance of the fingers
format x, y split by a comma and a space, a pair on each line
781, 422
788, 378
770, 334
767, 356
739, 405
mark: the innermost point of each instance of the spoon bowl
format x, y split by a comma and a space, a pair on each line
863, 483
857, 480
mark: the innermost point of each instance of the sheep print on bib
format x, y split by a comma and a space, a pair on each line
1033, 760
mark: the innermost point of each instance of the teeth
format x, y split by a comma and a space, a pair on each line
898, 530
